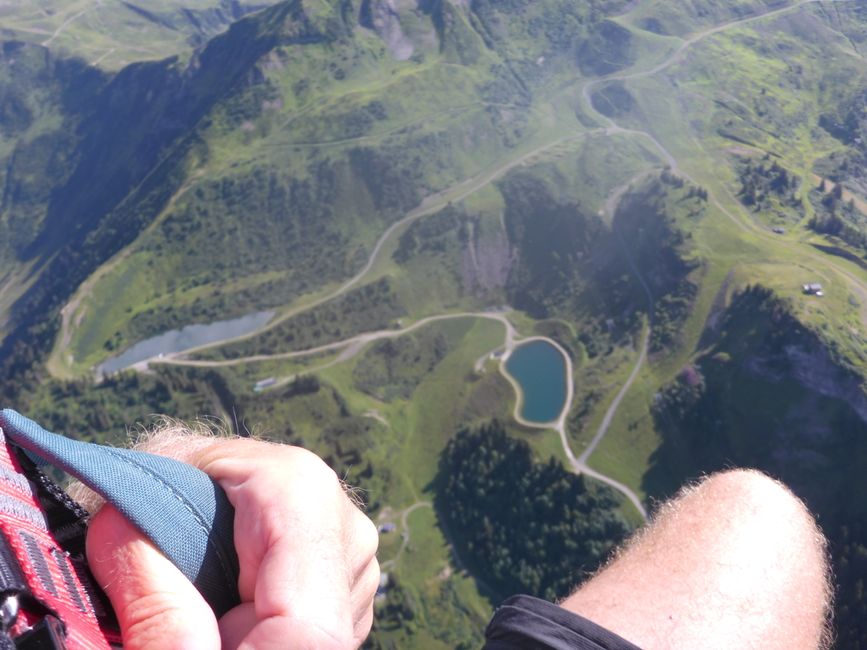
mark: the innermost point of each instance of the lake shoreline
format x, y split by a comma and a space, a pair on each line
558, 421
178, 340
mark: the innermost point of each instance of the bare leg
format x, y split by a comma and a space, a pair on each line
733, 562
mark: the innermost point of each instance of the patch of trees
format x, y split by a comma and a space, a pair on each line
393, 185
22, 356
571, 263
847, 122
669, 314
368, 308
362, 119
562, 333
764, 180
459, 43
104, 412
248, 104
608, 49
658, 249
397, 611
697, 412
849, 552
254, 221
505, 86
527, 527
344, 121
613, 100
432, 234
15, 113
521, 29
678, 182
439, 612
836, 216
557, 243
684, 409
303, 385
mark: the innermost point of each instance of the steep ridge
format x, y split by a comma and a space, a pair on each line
116, 34
134, 137
365, 162
767, 391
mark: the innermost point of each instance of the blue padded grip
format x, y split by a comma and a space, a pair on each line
179, 508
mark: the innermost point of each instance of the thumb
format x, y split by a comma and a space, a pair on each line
156, 605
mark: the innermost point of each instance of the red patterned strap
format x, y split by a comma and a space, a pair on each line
47, 596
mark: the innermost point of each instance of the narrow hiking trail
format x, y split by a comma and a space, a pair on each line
404, 533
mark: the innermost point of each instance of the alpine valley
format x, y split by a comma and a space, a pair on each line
367, 206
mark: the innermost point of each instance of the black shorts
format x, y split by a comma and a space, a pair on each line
531, 624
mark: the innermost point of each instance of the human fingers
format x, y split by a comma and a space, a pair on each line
306, 553
364, 592
156, 605
238, 624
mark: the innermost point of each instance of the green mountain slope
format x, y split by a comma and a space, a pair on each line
112, 35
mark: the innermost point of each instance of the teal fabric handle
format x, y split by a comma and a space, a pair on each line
179, 508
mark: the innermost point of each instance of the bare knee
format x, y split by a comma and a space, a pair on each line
735, 557
748, 486
746, 489
751, 503
764, 535
747, 510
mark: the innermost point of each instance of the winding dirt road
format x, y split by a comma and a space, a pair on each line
354, 345
404, 533
613, 128
428, 206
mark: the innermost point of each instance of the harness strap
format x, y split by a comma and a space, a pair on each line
178, 507
47, 599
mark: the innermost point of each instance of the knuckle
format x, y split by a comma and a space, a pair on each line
311, 466
151, 619
363, 626
367, 535
373, 575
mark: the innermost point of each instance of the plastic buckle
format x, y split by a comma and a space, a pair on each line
47, 634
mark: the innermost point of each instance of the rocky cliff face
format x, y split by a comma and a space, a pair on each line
809, 364
414, 27
383, 17
771, 393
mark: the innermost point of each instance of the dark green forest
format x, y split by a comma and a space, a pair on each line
528, 527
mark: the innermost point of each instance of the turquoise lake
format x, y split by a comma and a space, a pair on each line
540, 369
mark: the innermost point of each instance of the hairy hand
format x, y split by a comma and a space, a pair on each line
307, 557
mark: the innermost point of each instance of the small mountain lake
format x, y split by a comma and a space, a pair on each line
540, 370
185, 338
